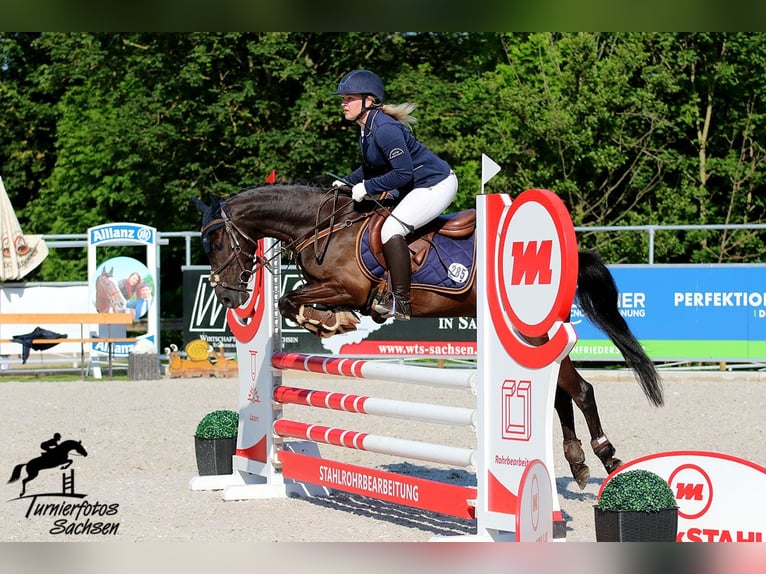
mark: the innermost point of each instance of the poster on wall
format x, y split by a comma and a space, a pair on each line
123, 285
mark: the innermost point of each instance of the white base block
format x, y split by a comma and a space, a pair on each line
487, 536
244, 484
212, 482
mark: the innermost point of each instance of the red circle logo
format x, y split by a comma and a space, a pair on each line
532, 275
695, 488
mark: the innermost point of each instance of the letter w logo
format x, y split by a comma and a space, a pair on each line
207, 314
686, 491
532, 263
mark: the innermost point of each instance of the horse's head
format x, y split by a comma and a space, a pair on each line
75, 445
231, 253
109, 298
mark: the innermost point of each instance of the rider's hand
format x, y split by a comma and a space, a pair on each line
358, 192
339, 183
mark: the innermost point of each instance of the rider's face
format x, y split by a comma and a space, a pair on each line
351, 105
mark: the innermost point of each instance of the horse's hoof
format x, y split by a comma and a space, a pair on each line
581, 474
612, 464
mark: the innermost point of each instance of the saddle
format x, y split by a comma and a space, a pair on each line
441, 253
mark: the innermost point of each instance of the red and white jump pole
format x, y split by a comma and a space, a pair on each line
361, 369
423, 412
527, 272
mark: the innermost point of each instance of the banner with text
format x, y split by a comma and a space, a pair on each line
205, 318
678, 312
685, 312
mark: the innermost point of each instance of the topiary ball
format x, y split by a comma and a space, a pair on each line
218, 424
637, 490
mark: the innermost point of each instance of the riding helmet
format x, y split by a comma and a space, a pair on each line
361, 82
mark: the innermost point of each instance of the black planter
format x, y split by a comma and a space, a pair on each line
633, 526
214, 455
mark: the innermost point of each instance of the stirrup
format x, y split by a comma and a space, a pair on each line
385, 306
402, 309
390, 306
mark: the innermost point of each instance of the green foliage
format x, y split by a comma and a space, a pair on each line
637, 490
218, 424
628, 128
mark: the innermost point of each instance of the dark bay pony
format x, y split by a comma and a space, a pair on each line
55, 457
320, 228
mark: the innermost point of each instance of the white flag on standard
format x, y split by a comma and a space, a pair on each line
489, 169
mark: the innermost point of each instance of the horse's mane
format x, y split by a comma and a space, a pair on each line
293, 197
285, 202
298, 184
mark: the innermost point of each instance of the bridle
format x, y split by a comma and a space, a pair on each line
234, 233
253, 261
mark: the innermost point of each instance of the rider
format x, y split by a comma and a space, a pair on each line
51, 443
392, 159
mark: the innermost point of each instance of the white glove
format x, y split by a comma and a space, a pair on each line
358, 192
339, 183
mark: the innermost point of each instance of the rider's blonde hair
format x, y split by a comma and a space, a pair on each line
401, 113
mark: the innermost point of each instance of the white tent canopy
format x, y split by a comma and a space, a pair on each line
21, 253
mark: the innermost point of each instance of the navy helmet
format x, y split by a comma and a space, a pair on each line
361, 82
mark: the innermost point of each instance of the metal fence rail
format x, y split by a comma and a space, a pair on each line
81, 239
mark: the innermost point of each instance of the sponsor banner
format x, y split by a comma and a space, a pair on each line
453, 337
205, 318
678, 312
716, 494
391, 487
685, 312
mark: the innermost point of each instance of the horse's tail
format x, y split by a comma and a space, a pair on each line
16, 474
597, 295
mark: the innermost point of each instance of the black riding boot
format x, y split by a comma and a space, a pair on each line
397, 256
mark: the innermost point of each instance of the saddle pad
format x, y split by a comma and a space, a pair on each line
449, 266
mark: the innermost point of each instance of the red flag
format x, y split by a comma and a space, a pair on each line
272, 178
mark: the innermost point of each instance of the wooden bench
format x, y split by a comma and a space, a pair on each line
45, 320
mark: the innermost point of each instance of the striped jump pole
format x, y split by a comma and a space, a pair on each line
361, 369
423, 412
428, 452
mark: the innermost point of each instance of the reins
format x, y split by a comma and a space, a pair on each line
323, 228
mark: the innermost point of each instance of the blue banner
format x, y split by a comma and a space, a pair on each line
685, 312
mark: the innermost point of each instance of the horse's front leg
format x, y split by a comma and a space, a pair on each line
298, 306
572, 445
581, 392
67, 464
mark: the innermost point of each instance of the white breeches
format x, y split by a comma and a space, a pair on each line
419, 206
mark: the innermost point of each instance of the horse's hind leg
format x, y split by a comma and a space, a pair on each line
30, 476
572, 446
581, 392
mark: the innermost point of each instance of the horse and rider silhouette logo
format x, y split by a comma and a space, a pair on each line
54, 454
